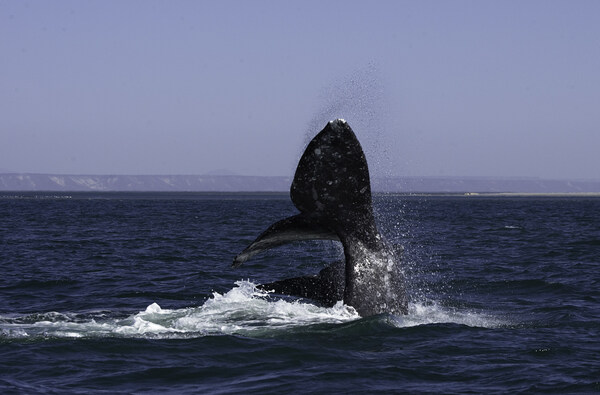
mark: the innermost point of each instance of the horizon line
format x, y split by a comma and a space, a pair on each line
492, 177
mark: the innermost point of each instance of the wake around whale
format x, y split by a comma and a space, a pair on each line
332, 191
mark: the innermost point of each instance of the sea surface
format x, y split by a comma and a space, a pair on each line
134, 293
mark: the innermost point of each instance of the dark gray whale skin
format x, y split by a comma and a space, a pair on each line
332, 191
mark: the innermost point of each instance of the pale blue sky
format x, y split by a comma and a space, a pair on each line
457, 88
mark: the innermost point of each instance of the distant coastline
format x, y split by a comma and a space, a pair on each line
236, 183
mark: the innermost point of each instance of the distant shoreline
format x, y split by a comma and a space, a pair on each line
148, 195
469, 186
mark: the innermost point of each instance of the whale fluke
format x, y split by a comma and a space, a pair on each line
332, 191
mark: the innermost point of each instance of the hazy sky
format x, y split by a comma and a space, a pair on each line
456, 88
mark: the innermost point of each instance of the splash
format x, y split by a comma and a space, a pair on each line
244, 310
434, 313
358, 97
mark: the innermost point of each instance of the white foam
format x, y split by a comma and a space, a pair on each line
153, 308
433, 313
244, 310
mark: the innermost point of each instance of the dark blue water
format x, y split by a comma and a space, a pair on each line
134, 293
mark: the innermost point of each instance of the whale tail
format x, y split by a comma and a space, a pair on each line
332, 191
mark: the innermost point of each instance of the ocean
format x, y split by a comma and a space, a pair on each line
134, 293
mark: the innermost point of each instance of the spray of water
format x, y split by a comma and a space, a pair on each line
359, 98
244, 310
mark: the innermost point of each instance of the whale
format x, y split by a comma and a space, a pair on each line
332, 191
